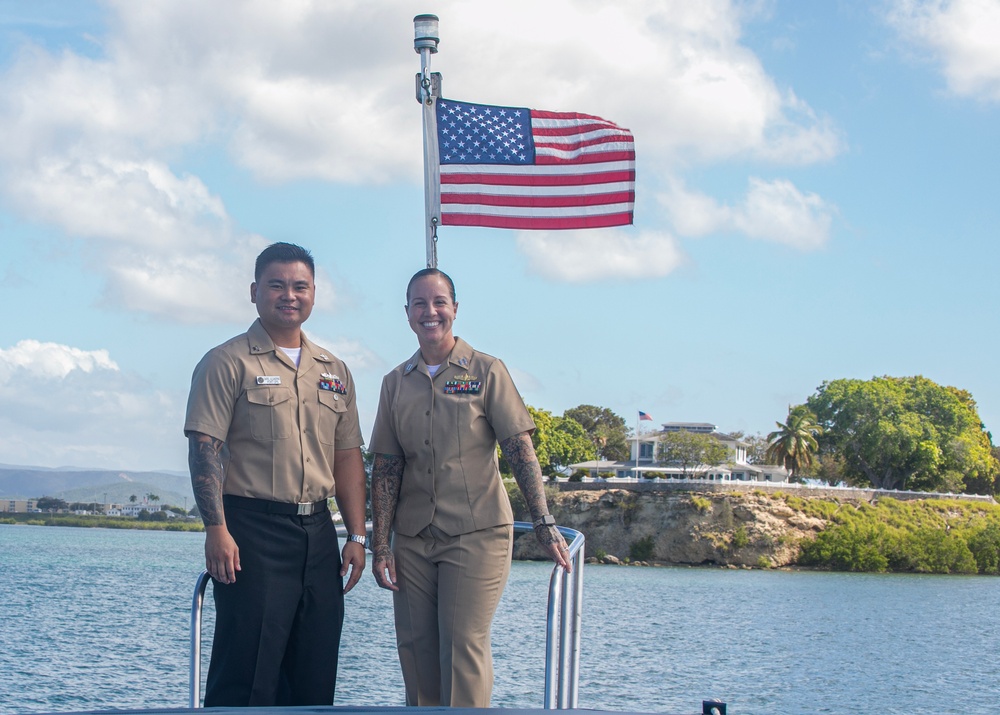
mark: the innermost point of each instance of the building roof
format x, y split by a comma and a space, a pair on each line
688, 426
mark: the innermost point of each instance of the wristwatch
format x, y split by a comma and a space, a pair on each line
547, 520
358, 539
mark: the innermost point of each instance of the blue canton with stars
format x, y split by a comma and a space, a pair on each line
481, 134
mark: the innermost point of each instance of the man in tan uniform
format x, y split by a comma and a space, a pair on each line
273, 433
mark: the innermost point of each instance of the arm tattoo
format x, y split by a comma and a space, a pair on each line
205, 463
520, 454
387, 475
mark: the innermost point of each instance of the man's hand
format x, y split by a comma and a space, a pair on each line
384, 568
353, 556
222, 555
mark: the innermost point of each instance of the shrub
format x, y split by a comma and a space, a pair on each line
642, 550
517, 503
850, 547
763, 562
601, 554
701, 503
740, 538
984, 544
937, 551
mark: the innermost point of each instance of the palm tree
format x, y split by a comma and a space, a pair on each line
794, 443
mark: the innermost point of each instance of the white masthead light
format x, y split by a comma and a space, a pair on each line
425, 33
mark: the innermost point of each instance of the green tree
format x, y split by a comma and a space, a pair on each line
692, 451
558, 441
794, 442
51, 504
606, 430
905, 433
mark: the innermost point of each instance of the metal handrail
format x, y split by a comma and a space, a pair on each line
562, 628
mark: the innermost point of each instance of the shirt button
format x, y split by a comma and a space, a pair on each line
427, 441
428, 413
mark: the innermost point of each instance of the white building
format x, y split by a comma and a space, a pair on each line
643, 460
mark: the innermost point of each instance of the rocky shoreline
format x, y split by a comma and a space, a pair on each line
748, 528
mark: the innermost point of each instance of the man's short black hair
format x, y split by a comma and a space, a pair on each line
430, 272
283, 253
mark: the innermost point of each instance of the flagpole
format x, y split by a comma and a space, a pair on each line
637, 445
425, 43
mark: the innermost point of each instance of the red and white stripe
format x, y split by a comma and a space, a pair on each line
583, 177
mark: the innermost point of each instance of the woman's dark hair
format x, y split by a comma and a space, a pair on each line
430, 272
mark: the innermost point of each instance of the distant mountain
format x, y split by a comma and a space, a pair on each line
94, 485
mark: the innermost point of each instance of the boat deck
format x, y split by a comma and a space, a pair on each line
355, 710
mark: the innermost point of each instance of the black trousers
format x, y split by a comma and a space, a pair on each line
277, 631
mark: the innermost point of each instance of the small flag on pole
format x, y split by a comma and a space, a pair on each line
519, 168
644, 416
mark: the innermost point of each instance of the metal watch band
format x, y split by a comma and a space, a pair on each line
358, 539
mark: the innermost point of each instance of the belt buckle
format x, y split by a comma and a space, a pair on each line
306, 508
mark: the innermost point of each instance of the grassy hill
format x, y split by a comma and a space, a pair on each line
94, 485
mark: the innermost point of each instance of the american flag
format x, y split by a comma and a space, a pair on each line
512, 167
644, 416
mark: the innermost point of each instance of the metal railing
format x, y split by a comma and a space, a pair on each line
562, 627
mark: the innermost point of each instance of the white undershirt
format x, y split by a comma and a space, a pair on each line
294, 353
432, 369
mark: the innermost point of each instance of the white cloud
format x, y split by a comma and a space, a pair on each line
51, 360
579, 256
122, 201
313, 89
962, 35
68, 406
775, 211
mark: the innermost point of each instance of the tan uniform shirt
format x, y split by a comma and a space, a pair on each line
447, 428
280, 425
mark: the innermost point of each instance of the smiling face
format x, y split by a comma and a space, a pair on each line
431, 312
284, 297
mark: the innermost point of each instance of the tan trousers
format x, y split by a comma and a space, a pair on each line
449, 588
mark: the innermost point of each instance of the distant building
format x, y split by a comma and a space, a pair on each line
642, 462
136, 509
18, 506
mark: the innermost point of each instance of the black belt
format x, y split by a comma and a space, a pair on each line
276, 507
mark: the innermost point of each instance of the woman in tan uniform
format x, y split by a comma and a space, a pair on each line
437, 492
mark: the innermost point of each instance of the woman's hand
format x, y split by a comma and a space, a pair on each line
384, 567
553, 542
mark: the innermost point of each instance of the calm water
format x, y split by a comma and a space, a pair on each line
98, 619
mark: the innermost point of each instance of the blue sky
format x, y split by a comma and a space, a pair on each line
816, 199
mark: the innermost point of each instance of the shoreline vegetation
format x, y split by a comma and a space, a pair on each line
100, 522
751, 529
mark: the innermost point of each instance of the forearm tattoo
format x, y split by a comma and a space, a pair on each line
520, 454
205, 463
387, 475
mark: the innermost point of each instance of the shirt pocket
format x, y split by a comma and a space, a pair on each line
270, 411
332, 407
